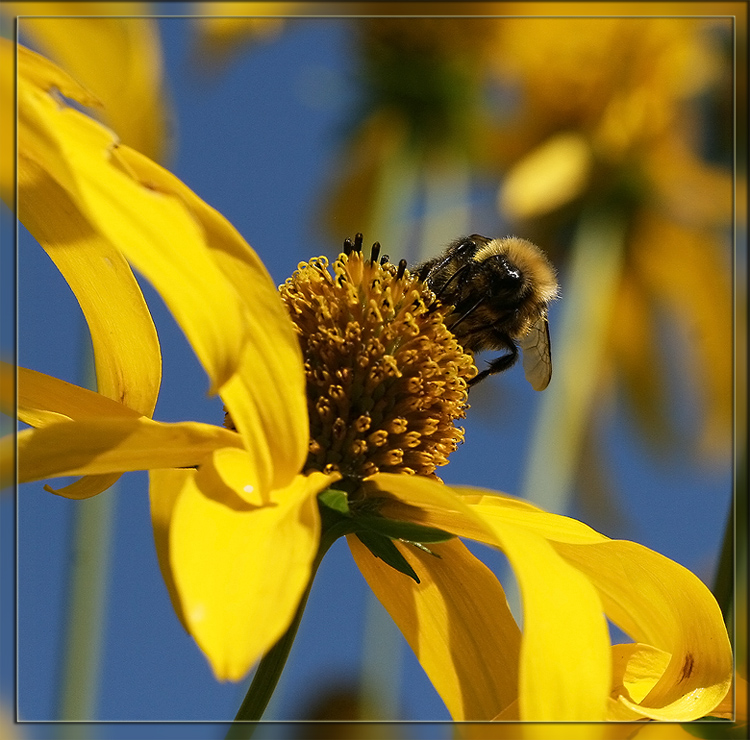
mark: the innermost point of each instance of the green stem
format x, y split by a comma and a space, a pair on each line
271, 666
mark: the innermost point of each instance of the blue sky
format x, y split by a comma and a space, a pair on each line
258, 146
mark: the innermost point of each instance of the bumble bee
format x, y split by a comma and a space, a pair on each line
500, 289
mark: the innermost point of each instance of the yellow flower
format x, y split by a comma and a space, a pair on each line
230, 562
341, 393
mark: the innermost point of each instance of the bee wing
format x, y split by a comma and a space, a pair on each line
537, 361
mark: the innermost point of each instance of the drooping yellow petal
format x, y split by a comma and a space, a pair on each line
457, 622
44, 399
575, 642
94, 446
266, 397
155, 231
126, 349
86, 487
653, 599
241, 570
659, 602
118, 59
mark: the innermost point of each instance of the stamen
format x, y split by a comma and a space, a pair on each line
386, 380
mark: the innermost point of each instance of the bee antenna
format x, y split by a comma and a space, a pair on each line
375, 252
401, 269
358, 242
347, 246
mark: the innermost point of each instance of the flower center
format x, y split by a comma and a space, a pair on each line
385, 378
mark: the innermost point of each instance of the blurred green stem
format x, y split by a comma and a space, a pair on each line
89, 567
447, 184
393, 198
588, 298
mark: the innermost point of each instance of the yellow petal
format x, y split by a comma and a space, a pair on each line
651, 598
117, 59
116, 445
266, 397
508, 728
660, 603
636, 669
86, 487
574, 643
44, 399
457, 622
517, 512
126, 348
155, 231
229, 477
164, 490
240, 572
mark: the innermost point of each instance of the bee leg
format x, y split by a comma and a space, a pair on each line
498, 365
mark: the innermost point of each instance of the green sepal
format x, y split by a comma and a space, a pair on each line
336, 500
406, 531
382, 547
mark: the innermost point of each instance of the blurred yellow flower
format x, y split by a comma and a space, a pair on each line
606, 120
224, 28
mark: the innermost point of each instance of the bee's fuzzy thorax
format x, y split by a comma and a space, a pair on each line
530, 260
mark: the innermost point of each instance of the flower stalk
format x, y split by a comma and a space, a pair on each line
269, 669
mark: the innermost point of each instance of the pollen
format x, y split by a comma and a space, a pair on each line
386, 380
